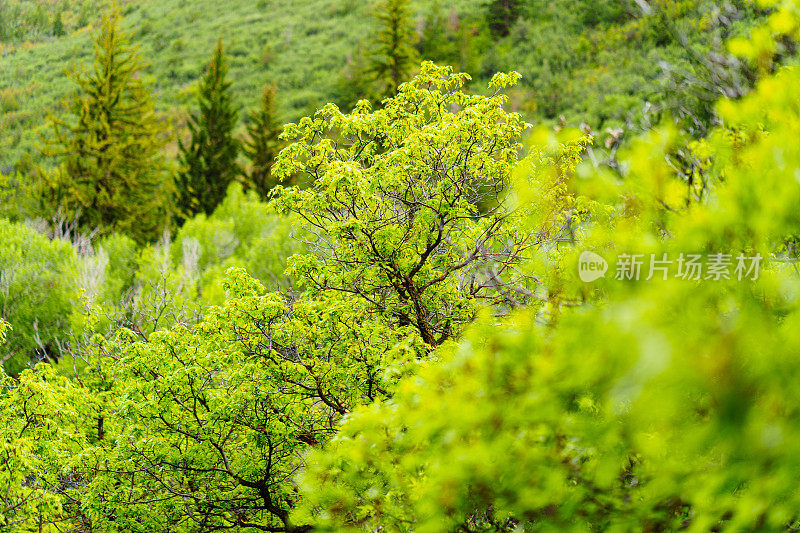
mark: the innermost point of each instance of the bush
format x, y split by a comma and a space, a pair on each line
37, 289
243, 232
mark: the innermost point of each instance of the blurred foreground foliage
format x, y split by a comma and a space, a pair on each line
658, 406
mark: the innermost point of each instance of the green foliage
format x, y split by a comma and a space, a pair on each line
39, 20
262, 144
595, 13
393, 55
599, 75
208, 161
243, 232
355, 81
407, 206
58, 25
501, 15
214, 419
173, 281
428, 359
458, 39
436, 39
112, 174
287, 46
36, 294
663, 405
191, 411
147, 289
39, 409
7, 190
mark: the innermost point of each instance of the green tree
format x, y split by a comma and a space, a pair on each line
58, 25
210, 423
393, 55
355, 80
262, 144
208, 160
600, 13
409, 210
112, 175
439, 38
369, 402
36, 294
501, 15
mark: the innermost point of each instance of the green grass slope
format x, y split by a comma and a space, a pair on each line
300, 46
579, 58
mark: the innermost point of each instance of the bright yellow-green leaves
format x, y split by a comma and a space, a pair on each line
387, 396
656, 405
766, 40
408, 227
210, 420
408, 202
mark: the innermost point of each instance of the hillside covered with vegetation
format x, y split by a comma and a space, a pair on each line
404, 266
585, 61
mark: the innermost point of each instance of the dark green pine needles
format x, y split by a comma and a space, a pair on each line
112, 174
208, 161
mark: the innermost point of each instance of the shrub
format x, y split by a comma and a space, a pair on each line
36, 294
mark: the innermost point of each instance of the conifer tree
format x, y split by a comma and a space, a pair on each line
356, 79
433, 38
501, 15
58, 25
393, 54
113, 174
209, 159
3, 25
262, 144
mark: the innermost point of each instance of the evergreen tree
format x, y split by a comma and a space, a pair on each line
113, 174
393, 54
209, 159
355, 79
3, 23
83, 15
501, 15
58, 25
434, 36
262, 145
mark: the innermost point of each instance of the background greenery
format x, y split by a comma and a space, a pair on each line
588, 61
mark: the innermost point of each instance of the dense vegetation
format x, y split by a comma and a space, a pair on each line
376, 317
596, 62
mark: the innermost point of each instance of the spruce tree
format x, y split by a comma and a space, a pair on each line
356, 79
501, 15
112, 173
209, 159
3, 23
58, 25
393, 55
262, 144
